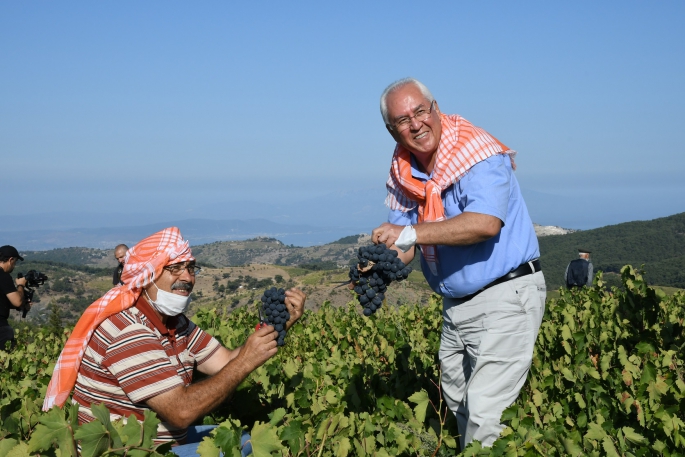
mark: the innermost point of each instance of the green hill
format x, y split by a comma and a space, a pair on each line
659, 244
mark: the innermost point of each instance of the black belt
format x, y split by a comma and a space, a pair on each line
524, 269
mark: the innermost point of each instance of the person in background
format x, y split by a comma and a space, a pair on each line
120, 255
453, 195
579, 272
11, 296
135, 350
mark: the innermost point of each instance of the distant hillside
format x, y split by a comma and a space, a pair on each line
659, 244
273, 252
71, 288
260, 250
74, 256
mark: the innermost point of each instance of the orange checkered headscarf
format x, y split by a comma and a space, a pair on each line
462, 145
142, 264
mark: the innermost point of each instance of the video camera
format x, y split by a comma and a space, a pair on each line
33, 279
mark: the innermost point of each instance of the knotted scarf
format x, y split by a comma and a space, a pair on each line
142, 264
461, 146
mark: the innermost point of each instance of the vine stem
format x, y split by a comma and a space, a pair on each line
325, 432
441, 418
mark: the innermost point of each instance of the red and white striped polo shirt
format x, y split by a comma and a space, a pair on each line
133, 356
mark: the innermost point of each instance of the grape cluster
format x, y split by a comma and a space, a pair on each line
275, 312
378, 267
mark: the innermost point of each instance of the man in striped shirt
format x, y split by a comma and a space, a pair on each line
142, 358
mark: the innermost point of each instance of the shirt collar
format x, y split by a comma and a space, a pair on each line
415, 172
145, 308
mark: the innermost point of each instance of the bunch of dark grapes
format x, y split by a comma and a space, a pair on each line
378, 267
275, 312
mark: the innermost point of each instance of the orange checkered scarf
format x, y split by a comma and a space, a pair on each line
462, 145
143, 263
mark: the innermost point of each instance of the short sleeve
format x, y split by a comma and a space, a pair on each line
398, 217
6, 284
201, 345
486, 187
140, 364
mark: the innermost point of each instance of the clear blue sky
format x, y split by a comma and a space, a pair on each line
168, 110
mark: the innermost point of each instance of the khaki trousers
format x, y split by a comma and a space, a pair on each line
486, 350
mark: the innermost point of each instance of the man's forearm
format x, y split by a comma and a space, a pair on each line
186, 404
461, 230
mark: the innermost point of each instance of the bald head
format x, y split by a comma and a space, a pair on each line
120, 253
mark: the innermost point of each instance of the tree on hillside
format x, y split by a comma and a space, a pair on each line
54, 324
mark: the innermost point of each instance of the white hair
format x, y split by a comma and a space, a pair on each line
396, 85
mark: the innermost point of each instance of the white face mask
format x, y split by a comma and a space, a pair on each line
169, 304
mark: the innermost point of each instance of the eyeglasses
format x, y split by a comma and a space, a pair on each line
404, 123
178, 269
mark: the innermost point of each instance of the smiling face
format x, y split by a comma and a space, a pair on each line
180, 284
422, 137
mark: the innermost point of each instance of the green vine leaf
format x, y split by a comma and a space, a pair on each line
264, 440
94, 438
421, 400
53, 432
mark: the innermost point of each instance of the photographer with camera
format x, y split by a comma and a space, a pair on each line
11, 297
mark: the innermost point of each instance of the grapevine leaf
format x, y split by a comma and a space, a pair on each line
448, 440
644, 347
6, 445
150, 423
53, 431
568, 374
331, 397
572, 447
633, 436
292, 434
207, 448
277, 416
290, 368
609, 447
595, 432
681, 385
421, 400
94, 438
264, 440
398, 436
131, 432
537, 397
565, 332
659, 446
102, 414
648, 374
20, 450
228, 439
342, 447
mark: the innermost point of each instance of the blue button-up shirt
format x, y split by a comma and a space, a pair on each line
489, 187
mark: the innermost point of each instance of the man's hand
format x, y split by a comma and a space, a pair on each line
387, 234
294, 301
21, 282
259, 347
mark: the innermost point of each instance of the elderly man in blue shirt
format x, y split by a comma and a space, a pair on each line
453, 195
